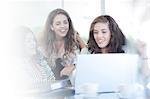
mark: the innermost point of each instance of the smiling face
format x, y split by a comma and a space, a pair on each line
60, 26
102, 34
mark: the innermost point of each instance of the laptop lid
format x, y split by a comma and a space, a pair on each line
109, 71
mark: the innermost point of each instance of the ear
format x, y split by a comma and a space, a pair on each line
52, 28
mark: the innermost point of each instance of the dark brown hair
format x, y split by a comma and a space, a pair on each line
117, 37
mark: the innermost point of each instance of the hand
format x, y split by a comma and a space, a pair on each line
123, 91
67, 70
127, 91
141, 47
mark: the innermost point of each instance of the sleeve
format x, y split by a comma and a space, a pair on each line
45, 70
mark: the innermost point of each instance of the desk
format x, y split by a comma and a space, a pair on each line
47, 90
110, 96
69, 93
62, 92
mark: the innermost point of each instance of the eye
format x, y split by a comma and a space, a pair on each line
95, 32
57, 23
65, 22
104, 32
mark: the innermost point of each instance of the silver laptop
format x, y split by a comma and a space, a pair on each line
108, 71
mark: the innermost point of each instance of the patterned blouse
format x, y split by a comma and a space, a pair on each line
47, 74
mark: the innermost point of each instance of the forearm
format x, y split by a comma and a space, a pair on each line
145, 68
67, 70
142, 50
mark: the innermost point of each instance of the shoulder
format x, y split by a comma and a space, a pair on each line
85, 51
130, 46
41, 51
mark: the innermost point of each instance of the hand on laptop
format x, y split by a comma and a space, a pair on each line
130, 91
67, 70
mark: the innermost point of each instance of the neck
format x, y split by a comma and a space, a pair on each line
59, 39
59, 45
104, 50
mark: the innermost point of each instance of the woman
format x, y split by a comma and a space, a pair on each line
105, 36
32, 67
59, 44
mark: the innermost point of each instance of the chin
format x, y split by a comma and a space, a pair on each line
63, 35
102, 46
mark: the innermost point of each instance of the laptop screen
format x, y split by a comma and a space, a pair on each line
108, 71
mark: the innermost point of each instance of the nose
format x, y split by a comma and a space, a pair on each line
99, 35
62, 25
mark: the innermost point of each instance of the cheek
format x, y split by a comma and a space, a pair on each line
108, 40
108, 36
95, 37
67, 26
55, 28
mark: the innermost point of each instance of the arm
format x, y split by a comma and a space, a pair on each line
145, 69
67, 70
69, 64
141, 46
46, 71
80, 41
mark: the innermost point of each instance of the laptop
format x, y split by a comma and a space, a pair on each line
105, 71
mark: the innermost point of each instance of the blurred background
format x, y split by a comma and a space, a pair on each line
132, 16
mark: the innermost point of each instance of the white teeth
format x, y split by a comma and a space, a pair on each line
62, 30
100, 41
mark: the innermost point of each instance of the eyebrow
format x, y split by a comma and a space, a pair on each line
62, 21
101, 29
95, 30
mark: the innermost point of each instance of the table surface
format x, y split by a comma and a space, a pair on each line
69, 93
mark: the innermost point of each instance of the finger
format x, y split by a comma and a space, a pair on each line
61, 73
